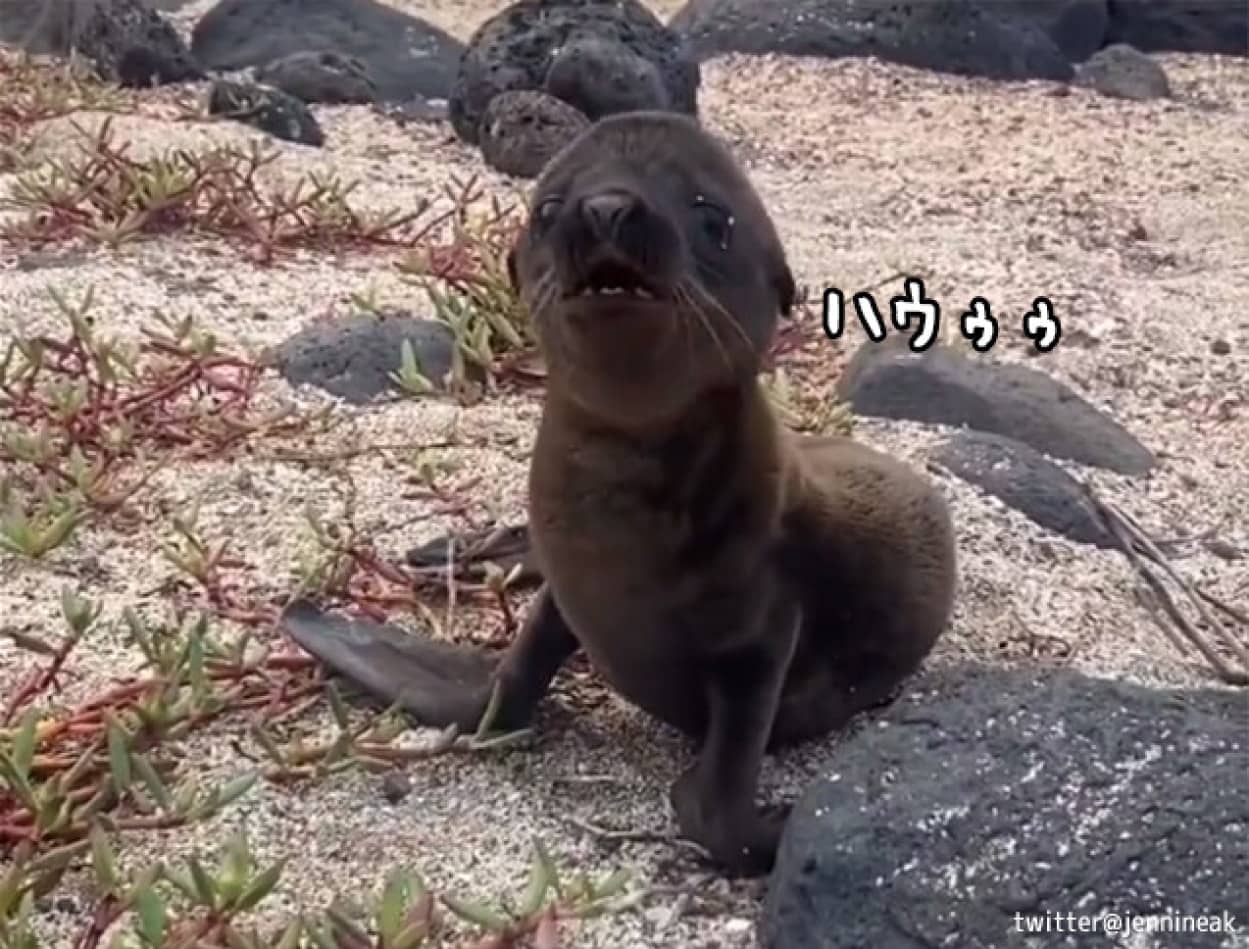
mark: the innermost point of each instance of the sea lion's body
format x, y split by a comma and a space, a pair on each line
652, 591
749, 586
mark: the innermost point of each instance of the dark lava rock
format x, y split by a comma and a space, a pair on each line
1023, 478
1124, 73
320, 77
943, 386
521, 131
127, 41
270, 110
982, 793
952, 36
1077, 27
1195, 26
604, 77
405, 57
353, 357
517, 48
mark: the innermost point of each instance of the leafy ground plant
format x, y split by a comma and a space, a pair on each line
86, 419
34, 89
463, 271
74, 783
208, 906
105, 195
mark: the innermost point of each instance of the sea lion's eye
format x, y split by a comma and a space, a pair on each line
546, 212
715, 221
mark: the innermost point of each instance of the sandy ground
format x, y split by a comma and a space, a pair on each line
1133, 218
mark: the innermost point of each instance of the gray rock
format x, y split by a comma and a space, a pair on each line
270, 110
320, 77
516, 49
1193, 26
521, 131
943, 386
353, 357
127, 41
405, 56
982, 793
604, 77
1123, 72
1026, 480
952, 36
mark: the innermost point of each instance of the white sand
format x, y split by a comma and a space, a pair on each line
1002, 190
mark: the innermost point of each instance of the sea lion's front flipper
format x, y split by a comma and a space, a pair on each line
714, 798
439, 683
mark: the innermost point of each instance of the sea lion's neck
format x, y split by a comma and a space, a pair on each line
732, 405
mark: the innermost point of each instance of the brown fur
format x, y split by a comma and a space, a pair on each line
748, 586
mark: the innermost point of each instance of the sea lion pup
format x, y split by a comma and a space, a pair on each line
748, 586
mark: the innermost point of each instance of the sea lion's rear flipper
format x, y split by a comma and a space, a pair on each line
439, 683
506, 546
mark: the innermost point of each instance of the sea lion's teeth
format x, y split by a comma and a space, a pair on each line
616, 291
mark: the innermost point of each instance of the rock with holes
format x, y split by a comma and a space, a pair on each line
405, 57
1193, 26
353, 357
983, 798
126, 40
1023, 478
323, 76
1122, 72
521, 131
603, 77
1003, 39
518, 48
270, 110
944, 386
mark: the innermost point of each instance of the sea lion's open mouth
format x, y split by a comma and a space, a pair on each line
615, 278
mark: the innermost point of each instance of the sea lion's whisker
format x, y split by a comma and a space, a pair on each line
688, 310
717, 308
699, 302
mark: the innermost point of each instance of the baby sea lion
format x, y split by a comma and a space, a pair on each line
747, 585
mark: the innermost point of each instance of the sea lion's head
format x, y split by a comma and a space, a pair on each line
650, 267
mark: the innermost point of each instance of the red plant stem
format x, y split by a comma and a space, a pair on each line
39, 683
107, 911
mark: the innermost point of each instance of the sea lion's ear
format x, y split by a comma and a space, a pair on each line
511, 270
786, 290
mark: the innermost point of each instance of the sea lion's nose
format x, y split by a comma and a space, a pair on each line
606, 211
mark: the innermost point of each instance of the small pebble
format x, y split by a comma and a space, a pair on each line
1223, 549
395, 786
